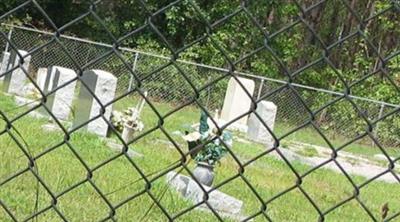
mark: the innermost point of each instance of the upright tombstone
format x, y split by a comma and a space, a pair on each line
14, 82
5, 58
59, 101
41, 78
237, 102
256, 131
103, 84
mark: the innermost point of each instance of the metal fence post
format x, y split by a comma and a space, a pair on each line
377, 124
9, 37
260, 89
3, 55
133, 69
208, 93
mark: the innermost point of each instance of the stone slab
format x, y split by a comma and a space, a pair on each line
41, 78
351, 163
237, 102
5, 58
59, 101
219, 201
15, 81
383, 157
22, 101
103, 85
256, 130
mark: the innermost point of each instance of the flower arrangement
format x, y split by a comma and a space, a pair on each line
128, 118
213, 151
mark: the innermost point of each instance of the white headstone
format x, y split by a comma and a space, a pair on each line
4, 64
237, 102
41, 78
60, 101
15, 81
256, 131
103, 84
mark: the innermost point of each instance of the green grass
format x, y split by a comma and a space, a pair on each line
308, 152
60, 169
311, 136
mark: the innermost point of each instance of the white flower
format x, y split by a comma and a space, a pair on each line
126, 118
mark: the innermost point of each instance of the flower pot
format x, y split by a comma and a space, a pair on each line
127, 133
204, 173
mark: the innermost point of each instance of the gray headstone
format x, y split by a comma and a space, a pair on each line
256, 131
5, 58
60, 101
103, 84
15, 81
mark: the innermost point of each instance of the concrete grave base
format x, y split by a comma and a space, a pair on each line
349, 162
383, 157
29, 103
30, 90
22, 101
222, 203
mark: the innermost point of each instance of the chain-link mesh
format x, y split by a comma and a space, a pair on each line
71, 175
292, 111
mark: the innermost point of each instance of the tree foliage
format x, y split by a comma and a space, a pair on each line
269, 38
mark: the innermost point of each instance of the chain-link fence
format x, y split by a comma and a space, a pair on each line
166, 85
111, 186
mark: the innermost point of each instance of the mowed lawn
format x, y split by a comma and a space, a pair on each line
84, 180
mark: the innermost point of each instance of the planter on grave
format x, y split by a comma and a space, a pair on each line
128, 133
204, 173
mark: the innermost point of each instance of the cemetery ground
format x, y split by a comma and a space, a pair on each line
118, 180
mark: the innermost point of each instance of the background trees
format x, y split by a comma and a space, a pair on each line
241, 27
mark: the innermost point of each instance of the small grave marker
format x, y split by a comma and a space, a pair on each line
256, 131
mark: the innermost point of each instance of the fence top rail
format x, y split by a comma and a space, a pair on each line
251, 75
